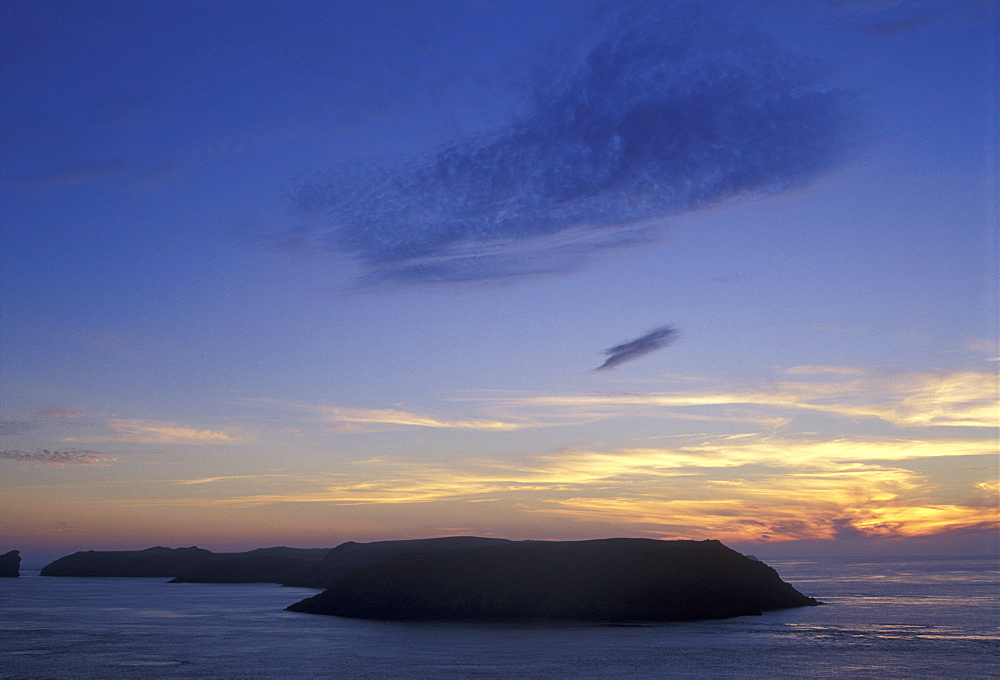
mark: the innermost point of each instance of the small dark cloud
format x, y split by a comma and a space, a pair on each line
664, 114
633, 349
16, 427
42, 418
68, 176
900, 26
58, 457
108, 341
884, 18
58, 412
843, 529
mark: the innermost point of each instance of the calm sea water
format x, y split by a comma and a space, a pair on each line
927, 618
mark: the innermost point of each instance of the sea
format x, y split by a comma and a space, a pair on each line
882, 618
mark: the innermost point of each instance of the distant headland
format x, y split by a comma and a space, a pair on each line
469, 578
190, 565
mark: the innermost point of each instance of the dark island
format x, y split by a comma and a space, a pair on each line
469, 578
10, 564
264, 565
349, 556
300, 567
158, 561
191, 565
615, 580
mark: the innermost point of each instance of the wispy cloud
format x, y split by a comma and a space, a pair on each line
359, 420
59, 457
229, 478
991, 347
147, 432
787, 510
748, 487
900, 25
669, 111
72, 175
901, 398
63, 529
100, 427
59, 412
633, 349
907, 399
887, 18
341, 417
108, 341
12, 427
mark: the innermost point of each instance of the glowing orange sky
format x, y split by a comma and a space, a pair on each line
729, 481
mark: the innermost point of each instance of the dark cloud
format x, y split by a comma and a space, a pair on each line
900, 26
58, 457
883, 18
16, 427
633, 349
76, 174
58, 412
660, 116
43, 418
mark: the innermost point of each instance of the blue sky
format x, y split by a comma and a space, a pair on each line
308, 272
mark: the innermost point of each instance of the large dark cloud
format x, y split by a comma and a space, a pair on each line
660, 116
633, 349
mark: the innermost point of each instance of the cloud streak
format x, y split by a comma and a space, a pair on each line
904, 399
748, 487
633, 349
146, 432
664, 114
100, 427
348, 419
11, 427
59, 457
72, 175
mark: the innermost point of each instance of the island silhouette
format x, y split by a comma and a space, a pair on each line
10, 564
470, 578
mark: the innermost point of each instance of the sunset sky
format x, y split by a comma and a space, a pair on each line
296, 273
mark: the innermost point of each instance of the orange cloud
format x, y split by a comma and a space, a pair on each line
340, 415
747, 487
148, 432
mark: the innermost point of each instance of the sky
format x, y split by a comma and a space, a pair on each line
297, 273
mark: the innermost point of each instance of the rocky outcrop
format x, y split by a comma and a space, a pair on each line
159, 561
608, 580
349, 556
264, 565
10, 564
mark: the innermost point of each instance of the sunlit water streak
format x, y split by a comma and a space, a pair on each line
924, 618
